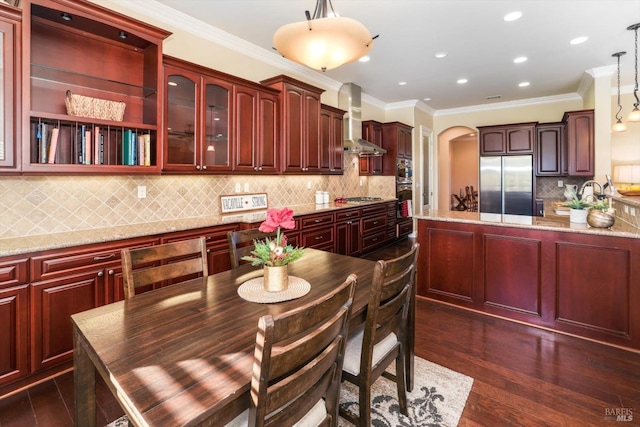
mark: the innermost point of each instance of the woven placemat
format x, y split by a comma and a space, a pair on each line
253, 290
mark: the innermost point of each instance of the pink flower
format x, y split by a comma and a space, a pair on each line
277, 218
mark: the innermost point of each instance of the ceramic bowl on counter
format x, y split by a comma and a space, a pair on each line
600, 219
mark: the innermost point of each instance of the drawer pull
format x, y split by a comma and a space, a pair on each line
375, 223
318, 220
319, 238
102, 258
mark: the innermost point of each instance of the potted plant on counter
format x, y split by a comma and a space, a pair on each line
579, 209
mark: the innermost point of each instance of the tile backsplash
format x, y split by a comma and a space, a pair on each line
33, 205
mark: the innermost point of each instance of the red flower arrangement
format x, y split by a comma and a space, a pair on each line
275, 253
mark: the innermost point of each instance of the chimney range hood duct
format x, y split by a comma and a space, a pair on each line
350, 99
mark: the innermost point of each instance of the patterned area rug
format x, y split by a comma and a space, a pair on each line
437, 400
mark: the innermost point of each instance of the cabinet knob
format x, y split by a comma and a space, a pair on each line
100, 273
208, 251
198, 167
255, 168
111, 272
260, 168
204, 167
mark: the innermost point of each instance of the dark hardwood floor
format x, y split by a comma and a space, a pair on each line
523, 376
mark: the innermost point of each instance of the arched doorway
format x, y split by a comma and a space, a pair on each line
457, 163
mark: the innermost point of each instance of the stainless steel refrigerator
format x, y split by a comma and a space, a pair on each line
506, 185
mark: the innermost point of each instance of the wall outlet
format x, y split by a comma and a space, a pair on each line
308, 185
632, 211
142, 191
560, 183
238, 187
246, 187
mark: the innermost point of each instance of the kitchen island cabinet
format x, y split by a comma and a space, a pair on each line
580, 283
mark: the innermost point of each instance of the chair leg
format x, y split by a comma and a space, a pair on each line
365, 404
401, 384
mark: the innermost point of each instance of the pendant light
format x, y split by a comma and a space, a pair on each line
634, 116
325, 41
619, 126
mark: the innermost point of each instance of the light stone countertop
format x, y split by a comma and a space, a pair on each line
42, 242
549, 222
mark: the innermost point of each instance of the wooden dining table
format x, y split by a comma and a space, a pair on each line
182, 354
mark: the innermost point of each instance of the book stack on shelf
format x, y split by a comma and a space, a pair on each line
136, 148
90, 144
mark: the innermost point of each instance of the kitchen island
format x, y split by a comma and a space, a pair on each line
543, 271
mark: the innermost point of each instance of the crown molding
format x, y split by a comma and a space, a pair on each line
510, 104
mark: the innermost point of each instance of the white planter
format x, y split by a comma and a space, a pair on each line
578, 216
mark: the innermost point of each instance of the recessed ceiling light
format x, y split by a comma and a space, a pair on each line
402, 83
579, 40
524, 84
427, 99
364, 59
440, 55
462, 81
520, 59
512, 16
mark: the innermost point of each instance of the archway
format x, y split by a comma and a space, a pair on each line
457, 154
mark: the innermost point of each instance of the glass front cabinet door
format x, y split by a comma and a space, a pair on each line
10, 18
198, 122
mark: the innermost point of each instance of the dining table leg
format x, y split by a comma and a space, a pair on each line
84, 384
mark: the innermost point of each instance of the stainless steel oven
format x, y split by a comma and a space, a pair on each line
404, 171
404, 194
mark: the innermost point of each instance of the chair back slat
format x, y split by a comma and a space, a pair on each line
298, 359
160, 263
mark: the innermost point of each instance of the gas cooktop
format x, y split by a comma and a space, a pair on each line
363, 199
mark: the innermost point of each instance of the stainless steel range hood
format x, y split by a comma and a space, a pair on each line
350, 99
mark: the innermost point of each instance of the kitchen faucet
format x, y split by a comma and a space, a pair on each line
593, 184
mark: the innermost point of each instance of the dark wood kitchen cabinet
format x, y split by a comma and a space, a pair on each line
65, 43
372, 132
558, 287
331, 132
11, 33
217, 123
397, 140
580, 142
257, 127
507, 139
14, 319
374, 227
65, 282
348, 232
318, 231
300, 124
551, 156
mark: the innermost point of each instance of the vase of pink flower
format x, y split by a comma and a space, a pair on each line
275, 254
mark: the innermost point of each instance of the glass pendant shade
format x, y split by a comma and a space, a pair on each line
619, 126
323, 43
634, 115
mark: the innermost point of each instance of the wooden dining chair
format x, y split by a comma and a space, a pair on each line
298, 362
155, 264
241, 243
384, 336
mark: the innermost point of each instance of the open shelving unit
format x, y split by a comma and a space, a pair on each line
76, 46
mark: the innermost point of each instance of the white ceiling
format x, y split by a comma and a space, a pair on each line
481, 46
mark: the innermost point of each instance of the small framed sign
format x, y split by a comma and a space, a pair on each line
243, 202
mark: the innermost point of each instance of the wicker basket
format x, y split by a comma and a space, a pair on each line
95, 108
